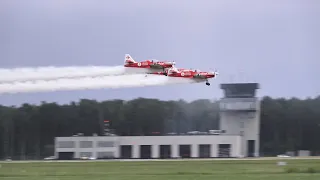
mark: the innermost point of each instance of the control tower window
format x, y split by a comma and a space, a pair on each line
239, 90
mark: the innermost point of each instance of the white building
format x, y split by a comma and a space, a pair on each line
239, 119
148, 146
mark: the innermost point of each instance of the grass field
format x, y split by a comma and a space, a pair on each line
163, 170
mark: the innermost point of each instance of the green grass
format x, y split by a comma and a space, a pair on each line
161, 170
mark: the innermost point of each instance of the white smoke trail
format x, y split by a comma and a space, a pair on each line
51, 73
102, 82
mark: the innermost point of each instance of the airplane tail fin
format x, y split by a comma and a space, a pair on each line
128, 59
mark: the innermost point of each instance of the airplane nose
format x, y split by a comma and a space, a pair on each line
214, 73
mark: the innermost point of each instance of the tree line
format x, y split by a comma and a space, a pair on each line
28, 131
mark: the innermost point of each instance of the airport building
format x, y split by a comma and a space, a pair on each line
239, 124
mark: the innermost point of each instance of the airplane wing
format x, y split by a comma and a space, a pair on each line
162, 65
199, 76
156, 66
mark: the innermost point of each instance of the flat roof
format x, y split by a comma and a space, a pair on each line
166, 136
156, 140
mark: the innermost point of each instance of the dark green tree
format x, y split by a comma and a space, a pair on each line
28, 131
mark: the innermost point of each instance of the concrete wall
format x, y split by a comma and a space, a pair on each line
155, 141
94, 150
175, 141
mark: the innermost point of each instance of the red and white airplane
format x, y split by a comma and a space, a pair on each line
196, 75
151, 66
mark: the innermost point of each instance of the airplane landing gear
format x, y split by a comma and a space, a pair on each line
165, 72
207, 83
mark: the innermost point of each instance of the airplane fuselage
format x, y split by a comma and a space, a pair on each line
195, 76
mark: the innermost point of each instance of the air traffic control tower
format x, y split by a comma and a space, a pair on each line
240, 115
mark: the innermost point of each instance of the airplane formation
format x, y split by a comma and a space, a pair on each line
129, 74
167, 68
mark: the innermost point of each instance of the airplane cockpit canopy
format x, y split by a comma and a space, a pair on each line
171, 70
174, 69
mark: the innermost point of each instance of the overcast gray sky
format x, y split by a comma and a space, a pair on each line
273, 42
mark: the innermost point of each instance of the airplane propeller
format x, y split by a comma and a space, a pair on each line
215, 72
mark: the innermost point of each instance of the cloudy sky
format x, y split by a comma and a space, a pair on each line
273, 42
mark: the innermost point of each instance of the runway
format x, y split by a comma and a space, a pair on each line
169, 160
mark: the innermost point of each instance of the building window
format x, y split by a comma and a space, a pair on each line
85, 154
241, 133
66, 144
105, 155
251, 115
86, 144
242, 124
106, 144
